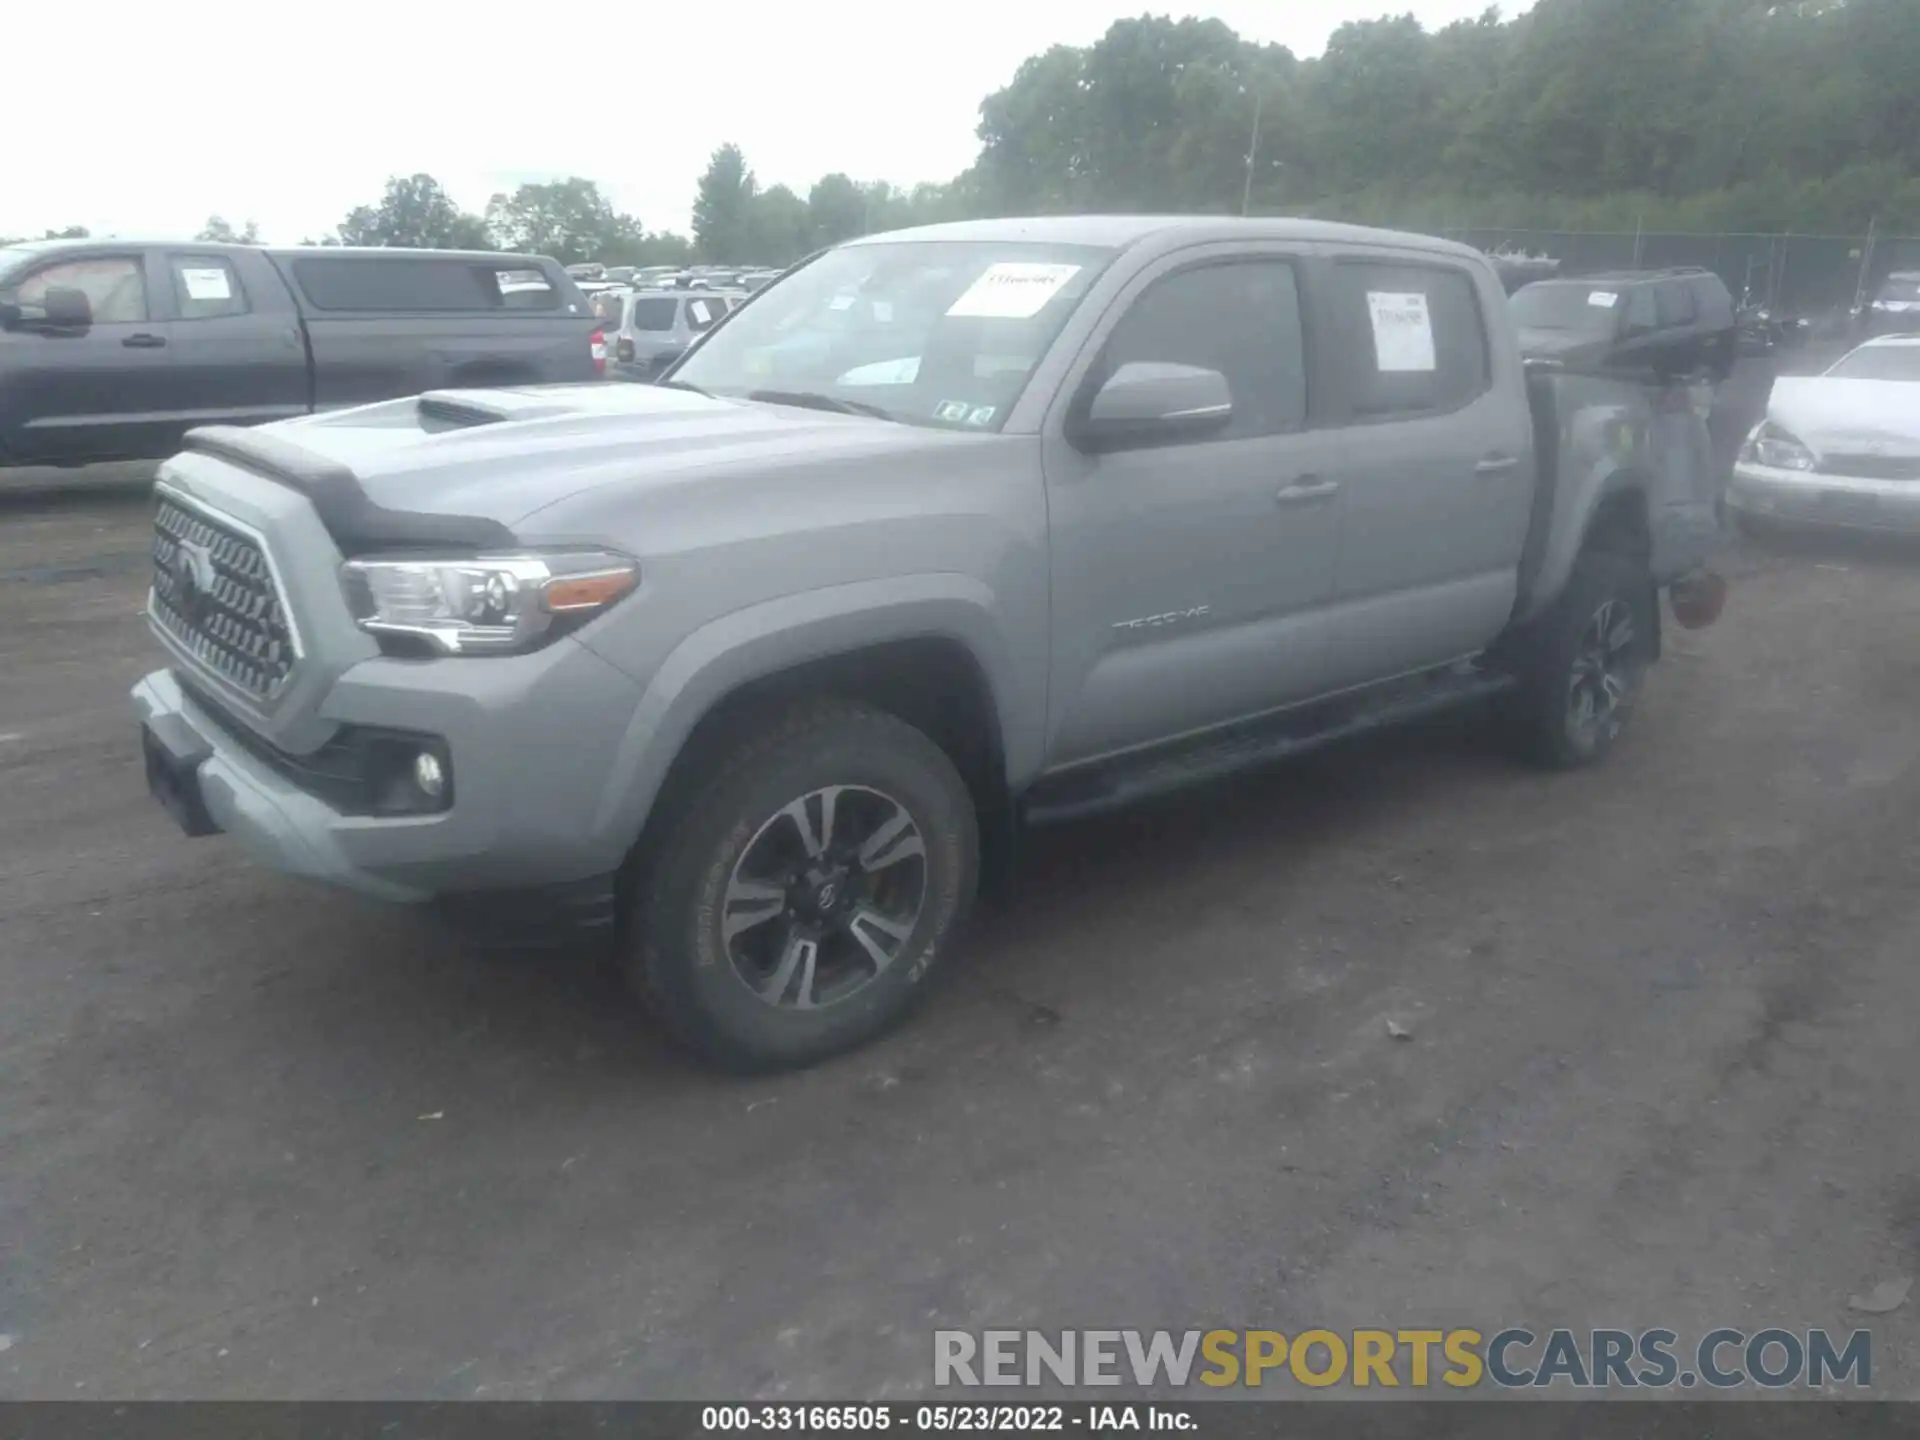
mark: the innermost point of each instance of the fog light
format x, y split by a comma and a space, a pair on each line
429, 775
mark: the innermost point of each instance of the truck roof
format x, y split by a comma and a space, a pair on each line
1117, 232
506, 259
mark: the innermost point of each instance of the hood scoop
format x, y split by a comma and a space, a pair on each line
441, 410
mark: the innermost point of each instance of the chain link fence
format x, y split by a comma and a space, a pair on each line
1809, 275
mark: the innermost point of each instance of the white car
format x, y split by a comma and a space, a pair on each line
1840, 448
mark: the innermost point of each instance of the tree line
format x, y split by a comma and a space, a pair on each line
1692, 115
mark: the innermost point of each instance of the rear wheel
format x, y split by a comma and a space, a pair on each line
1581, 673
802, 888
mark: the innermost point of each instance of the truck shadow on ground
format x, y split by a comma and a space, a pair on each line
412, 989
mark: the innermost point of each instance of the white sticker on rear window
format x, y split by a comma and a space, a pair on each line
208, 284
841, 302
1402, 331
982, 415
1012, 290
951, 410
698, 309
1605, 299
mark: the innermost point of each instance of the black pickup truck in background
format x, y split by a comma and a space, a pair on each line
112, 350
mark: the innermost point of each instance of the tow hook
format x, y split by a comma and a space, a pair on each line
1698, 599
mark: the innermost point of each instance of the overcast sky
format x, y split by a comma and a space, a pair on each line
138, 119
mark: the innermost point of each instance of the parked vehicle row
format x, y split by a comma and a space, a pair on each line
760, 669
112, 350
647, 330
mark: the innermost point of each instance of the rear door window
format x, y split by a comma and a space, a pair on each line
1415, 339
205, 287
1642, 314
703, 311
1674, 300
653, 312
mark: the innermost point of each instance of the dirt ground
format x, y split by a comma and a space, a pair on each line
257, 1140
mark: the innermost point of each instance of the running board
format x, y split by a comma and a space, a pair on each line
1113, 785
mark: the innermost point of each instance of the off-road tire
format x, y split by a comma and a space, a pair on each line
1540, 712
673, 951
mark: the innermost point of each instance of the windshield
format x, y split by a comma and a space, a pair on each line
1900, 287
1589, 309
1880, 362
935, 333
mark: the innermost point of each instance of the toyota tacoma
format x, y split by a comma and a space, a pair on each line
951, 531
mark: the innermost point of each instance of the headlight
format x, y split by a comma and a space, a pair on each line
1773, 447
489, 604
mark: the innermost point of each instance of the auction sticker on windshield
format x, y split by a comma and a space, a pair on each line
1605, 299
1402, 331
1012, 290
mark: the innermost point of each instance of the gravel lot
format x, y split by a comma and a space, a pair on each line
257, 1140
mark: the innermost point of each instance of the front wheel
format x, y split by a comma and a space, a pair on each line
802, 888
1581, 674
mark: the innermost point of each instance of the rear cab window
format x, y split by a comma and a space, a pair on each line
703, 311
438, 286
205, 287
1416, 339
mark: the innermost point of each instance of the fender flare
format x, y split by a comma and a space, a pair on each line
1574, 509
773, 636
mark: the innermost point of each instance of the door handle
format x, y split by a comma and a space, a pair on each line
144, 342
1497, 465
1307, 488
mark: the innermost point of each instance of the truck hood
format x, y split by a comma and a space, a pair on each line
1836, 415
501, 455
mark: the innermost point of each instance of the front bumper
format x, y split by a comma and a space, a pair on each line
531, 739
1806, 497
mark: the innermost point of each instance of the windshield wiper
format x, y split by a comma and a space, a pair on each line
813, 400
682, 385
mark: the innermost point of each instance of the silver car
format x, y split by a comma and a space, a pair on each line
1840, 448
655, 327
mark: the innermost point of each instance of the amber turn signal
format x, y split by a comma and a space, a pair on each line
565, 594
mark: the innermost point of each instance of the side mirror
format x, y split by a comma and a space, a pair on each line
1149, 403
67, 309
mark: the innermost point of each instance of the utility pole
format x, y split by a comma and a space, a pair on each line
1253, 151
1866, 265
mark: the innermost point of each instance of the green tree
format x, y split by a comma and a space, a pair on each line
569, 220
780, 229
836, 209
723, 209
416, 213
218, 231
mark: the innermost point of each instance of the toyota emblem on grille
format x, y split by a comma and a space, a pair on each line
193, 572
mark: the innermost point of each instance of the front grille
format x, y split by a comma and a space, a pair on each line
214, 592
1872, 467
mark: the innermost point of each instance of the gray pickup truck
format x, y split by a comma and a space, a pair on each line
947, 532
